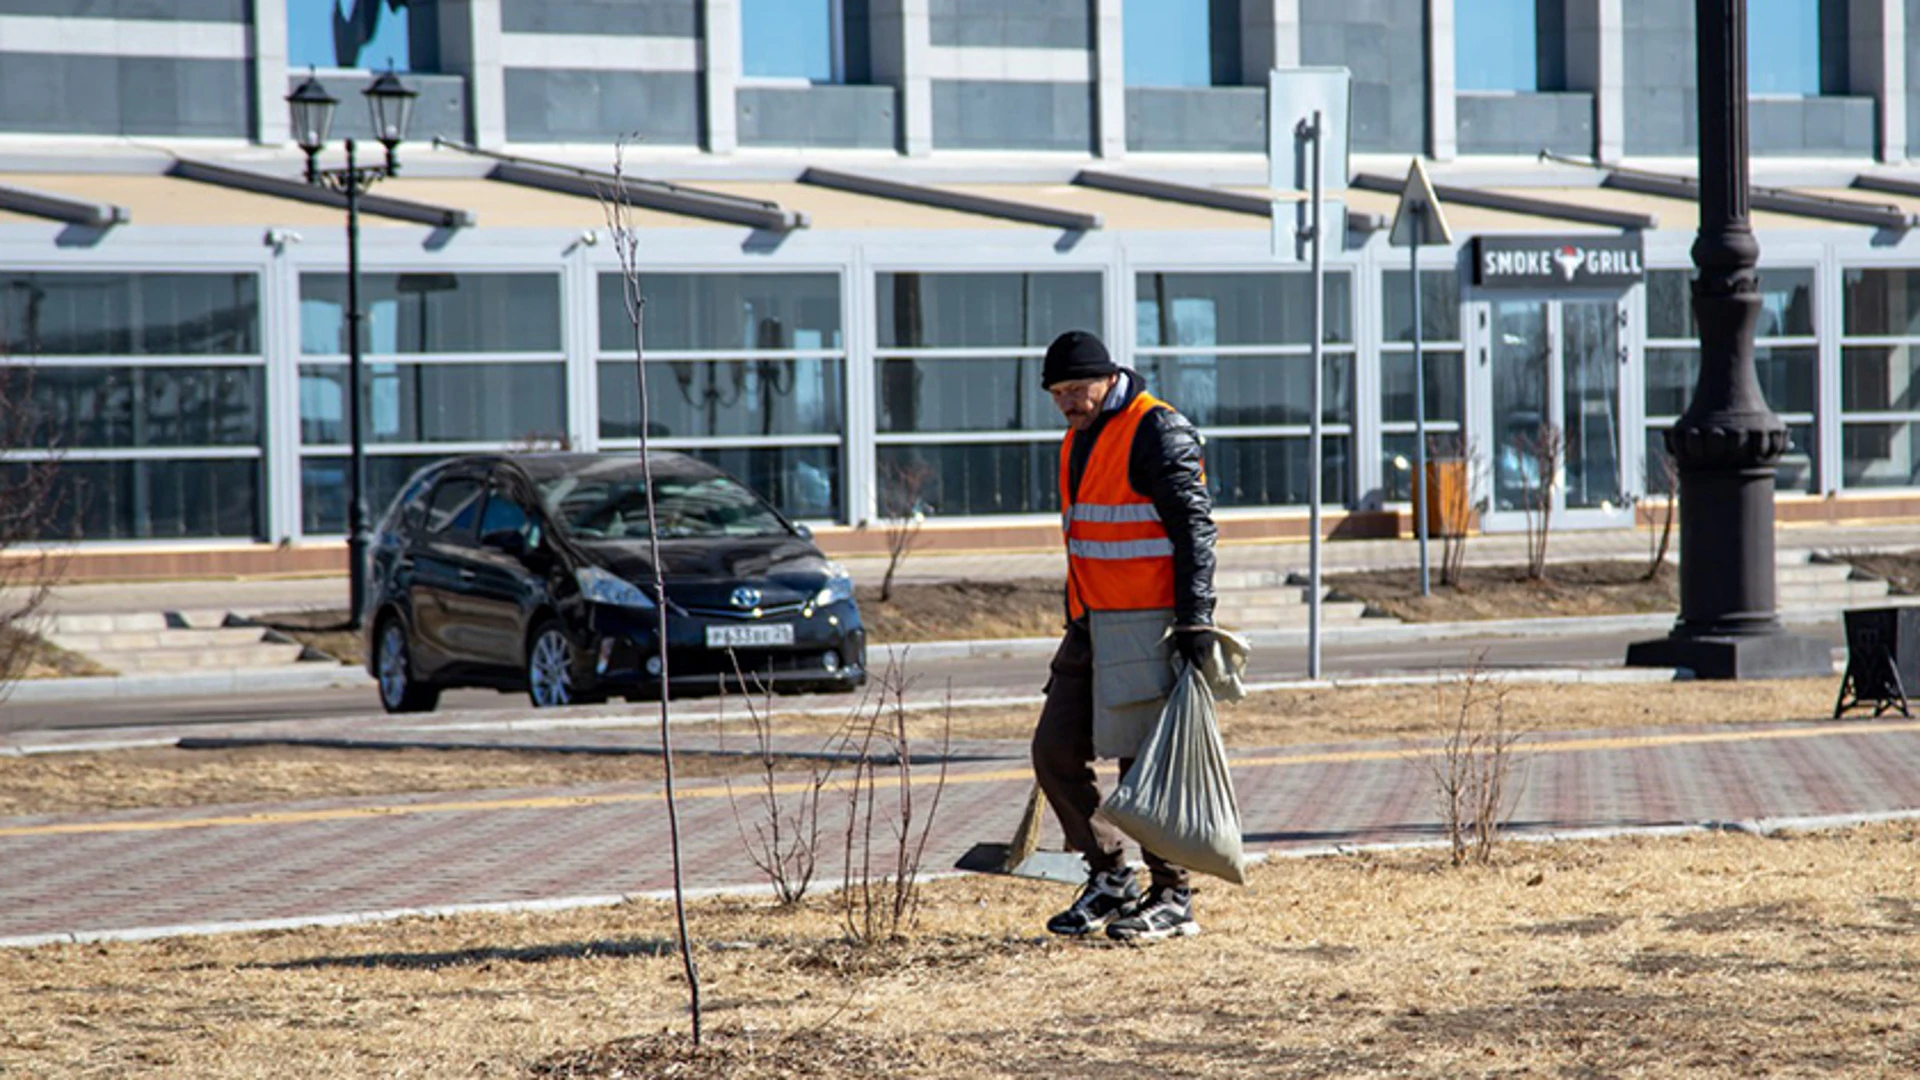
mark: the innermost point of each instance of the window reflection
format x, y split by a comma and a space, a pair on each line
61, 314
700, 398
156, 500
984, 311
436, 402
725, 312
433, 313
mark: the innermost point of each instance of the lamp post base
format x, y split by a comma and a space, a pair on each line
1774, 655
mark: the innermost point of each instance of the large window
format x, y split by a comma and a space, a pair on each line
794, 39
1443, 362
149, 392
365, 34
451, 363
747, 371
1497, 44
1233, 352
964, 425
1783, 47
1880, 378
1786, 359
1182, 42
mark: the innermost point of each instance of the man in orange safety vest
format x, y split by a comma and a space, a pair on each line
1139, 530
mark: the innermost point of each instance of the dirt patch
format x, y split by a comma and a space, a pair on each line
1602, 587
1900, 570
1386, 965
48, 661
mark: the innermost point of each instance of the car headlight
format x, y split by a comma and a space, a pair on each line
603, 587
839, 586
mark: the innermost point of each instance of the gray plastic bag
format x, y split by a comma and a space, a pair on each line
1177, 800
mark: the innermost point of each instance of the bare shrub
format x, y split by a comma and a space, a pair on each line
886, 836
31, 505
784, 838
903, 507
618, 209
1663, 476
1474, 765
1457, 508
1543, 446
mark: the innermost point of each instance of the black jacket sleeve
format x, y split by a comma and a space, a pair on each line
1165, 466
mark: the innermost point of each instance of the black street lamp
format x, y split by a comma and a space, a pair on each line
390, 105
1728, 441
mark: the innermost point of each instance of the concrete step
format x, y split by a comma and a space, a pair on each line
1837, 594
114, 623
135, 640
1224, 580
139, 661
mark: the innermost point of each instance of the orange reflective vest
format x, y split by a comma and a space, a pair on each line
1118, 554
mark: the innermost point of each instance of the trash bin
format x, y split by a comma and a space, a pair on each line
1449, 503
1883, 659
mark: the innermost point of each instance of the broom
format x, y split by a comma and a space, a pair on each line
1026, 837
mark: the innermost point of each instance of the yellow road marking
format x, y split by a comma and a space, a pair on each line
711, 791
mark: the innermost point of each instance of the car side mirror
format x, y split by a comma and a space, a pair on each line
509, 541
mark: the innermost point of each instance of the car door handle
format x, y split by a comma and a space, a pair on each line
467, 575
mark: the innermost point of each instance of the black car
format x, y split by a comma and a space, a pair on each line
533, 571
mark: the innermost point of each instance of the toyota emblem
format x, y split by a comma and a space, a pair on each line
746, 596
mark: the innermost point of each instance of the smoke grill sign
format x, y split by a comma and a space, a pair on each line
1557, 262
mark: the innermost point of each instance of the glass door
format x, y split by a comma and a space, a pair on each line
1555, 434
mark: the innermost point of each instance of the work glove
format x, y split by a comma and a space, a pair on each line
1194, 644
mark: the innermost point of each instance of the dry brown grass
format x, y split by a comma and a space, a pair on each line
70, 783
1708, 956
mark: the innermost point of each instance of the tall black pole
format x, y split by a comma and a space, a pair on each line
1727, 442
357, 529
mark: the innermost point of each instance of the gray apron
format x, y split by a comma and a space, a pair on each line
1133, 672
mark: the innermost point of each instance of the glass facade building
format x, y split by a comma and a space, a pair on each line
188, 358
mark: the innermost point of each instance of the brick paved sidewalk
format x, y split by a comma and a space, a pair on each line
155, 872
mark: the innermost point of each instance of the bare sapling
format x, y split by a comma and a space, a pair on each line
31, 506
886, 829
1542, 446
903, 509
1664, 476
618, 209
1456, 514
1473, 769
784, 838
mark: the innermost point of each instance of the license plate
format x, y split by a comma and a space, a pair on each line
752, 635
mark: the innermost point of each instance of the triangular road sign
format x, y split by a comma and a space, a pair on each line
1419, 220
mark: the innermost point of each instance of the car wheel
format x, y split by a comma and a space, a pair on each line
400, 692
550, 667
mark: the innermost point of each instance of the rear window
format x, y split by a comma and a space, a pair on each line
615, 506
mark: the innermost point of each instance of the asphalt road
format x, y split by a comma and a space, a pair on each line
970, 678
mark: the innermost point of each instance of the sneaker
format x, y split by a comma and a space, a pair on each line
1106, 894
1165, 913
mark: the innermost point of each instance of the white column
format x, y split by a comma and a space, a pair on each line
1442, 127
720, 55
1877, 65
269, 48
1110, 79
1596, 62
470, 46
1269, 38
901, 42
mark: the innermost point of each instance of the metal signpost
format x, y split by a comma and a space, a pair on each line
1307, 154
1419, 221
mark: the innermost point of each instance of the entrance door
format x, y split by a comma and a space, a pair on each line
1555, 432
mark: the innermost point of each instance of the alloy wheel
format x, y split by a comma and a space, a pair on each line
550, 668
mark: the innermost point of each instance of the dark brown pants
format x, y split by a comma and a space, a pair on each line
1063, 763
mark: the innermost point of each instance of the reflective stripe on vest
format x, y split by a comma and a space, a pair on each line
1118, 555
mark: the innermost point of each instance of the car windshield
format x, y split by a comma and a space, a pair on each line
614, 506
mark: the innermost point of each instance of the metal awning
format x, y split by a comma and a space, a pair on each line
1191, 194
1778, 200
652, 194
969, 202
96, 215
1518, 204
1887, 185
445, 217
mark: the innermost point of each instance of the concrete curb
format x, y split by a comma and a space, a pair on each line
1757, 827
305, 676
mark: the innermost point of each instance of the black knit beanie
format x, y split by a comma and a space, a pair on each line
1076, 354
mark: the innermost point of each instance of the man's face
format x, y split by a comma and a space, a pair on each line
1079, 400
